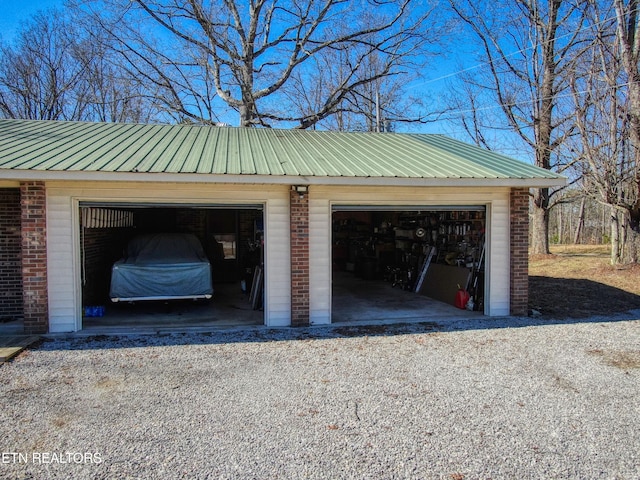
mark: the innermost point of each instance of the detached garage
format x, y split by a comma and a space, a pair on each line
284, 223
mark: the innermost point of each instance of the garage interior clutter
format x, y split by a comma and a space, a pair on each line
433, 252
430, 252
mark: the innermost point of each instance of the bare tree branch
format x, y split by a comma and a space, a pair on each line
247, 52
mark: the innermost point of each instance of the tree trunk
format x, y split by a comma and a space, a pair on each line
603, 225
576, 237
559, 226
630, 239
540, 222
539, 231
245, 116
616, 247
628, 31
632, 246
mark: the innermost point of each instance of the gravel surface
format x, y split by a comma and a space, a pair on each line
505, 398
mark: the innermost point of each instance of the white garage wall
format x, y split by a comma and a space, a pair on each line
62, 266
63, 198
319, 257
322, 198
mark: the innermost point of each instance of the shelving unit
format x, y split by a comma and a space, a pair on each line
395, 246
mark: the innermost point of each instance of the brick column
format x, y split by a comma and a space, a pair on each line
299, 212
34, 256
519, 212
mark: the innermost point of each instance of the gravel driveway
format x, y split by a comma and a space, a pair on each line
485, 399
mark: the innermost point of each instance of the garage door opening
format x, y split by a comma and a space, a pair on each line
395, 264
152, 266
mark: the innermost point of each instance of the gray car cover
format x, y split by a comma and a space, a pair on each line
162, 266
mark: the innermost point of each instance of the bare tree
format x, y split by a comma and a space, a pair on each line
110, 93
38, 76
56, 70
577, 213
628, 38
580, 223
527, 50
203, 56
378, 105
605, 92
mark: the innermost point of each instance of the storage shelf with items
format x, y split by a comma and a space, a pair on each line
460, 237
416, 250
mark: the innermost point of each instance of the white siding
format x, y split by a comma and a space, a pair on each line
63, 199
319, 259
64, 293
277, 263
497, 263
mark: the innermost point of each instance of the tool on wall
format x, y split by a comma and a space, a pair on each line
425, 267
256, 294
478, 267
420, 233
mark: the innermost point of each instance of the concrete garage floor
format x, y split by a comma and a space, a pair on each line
229, 307
355, 299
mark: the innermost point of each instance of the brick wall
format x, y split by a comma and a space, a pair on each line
191, 220
101, 247
10, 255
299, 206
34, 256
519, 211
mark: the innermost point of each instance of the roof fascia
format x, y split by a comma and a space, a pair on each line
17, 175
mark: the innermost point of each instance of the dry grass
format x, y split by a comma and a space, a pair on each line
578, 280
597, 250
625, 360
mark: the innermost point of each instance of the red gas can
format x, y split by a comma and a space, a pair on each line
462, 297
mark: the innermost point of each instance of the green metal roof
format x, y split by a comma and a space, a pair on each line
50, 146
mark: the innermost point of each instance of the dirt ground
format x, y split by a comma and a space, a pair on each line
579, 281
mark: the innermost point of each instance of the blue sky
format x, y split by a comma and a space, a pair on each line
14, 11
